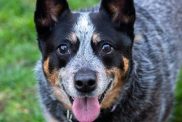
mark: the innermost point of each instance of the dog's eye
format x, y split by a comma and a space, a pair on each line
63, 49
106, 48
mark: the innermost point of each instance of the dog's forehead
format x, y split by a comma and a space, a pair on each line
84, 27
84, 30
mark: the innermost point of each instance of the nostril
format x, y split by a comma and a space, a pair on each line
79, 84
91, 83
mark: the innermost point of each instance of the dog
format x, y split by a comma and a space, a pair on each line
113, 63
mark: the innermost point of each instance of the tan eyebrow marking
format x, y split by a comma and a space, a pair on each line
96, 38
72, 37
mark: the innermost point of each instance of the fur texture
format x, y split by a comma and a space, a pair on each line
147, 96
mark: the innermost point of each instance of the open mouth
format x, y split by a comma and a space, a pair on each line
87, 109
100, 97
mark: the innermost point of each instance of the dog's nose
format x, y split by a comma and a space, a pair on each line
85, 80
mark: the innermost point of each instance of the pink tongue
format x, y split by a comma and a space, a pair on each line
86, 109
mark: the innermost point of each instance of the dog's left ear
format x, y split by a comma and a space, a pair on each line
47, 14
121, 12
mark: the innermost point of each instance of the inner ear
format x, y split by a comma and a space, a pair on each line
122, 11
47, 13
122, 14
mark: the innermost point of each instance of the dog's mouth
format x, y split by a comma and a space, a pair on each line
100, 97
87, 109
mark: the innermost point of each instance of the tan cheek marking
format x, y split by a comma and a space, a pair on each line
53, 77
58, 92
96, 38
113, 93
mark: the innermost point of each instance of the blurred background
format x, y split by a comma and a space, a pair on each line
18, 55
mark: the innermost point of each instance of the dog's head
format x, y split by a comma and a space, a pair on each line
86, 57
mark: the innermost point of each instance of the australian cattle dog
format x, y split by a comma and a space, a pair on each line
117, 62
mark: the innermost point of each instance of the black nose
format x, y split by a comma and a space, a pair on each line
85, 80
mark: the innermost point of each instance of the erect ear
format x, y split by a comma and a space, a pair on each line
47, 13
122, 13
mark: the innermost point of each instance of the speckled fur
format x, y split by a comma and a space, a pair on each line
148, 95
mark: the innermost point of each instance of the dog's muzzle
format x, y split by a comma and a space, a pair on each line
86, 109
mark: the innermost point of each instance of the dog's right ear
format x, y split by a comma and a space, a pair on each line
47, 13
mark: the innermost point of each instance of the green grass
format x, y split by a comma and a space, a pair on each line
178, 104
18, 55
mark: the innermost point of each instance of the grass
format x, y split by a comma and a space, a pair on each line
18, 55
177, 115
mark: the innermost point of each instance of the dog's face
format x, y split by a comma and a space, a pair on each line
86, 56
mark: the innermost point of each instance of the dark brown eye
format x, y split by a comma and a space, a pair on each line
63, 49
107, 48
